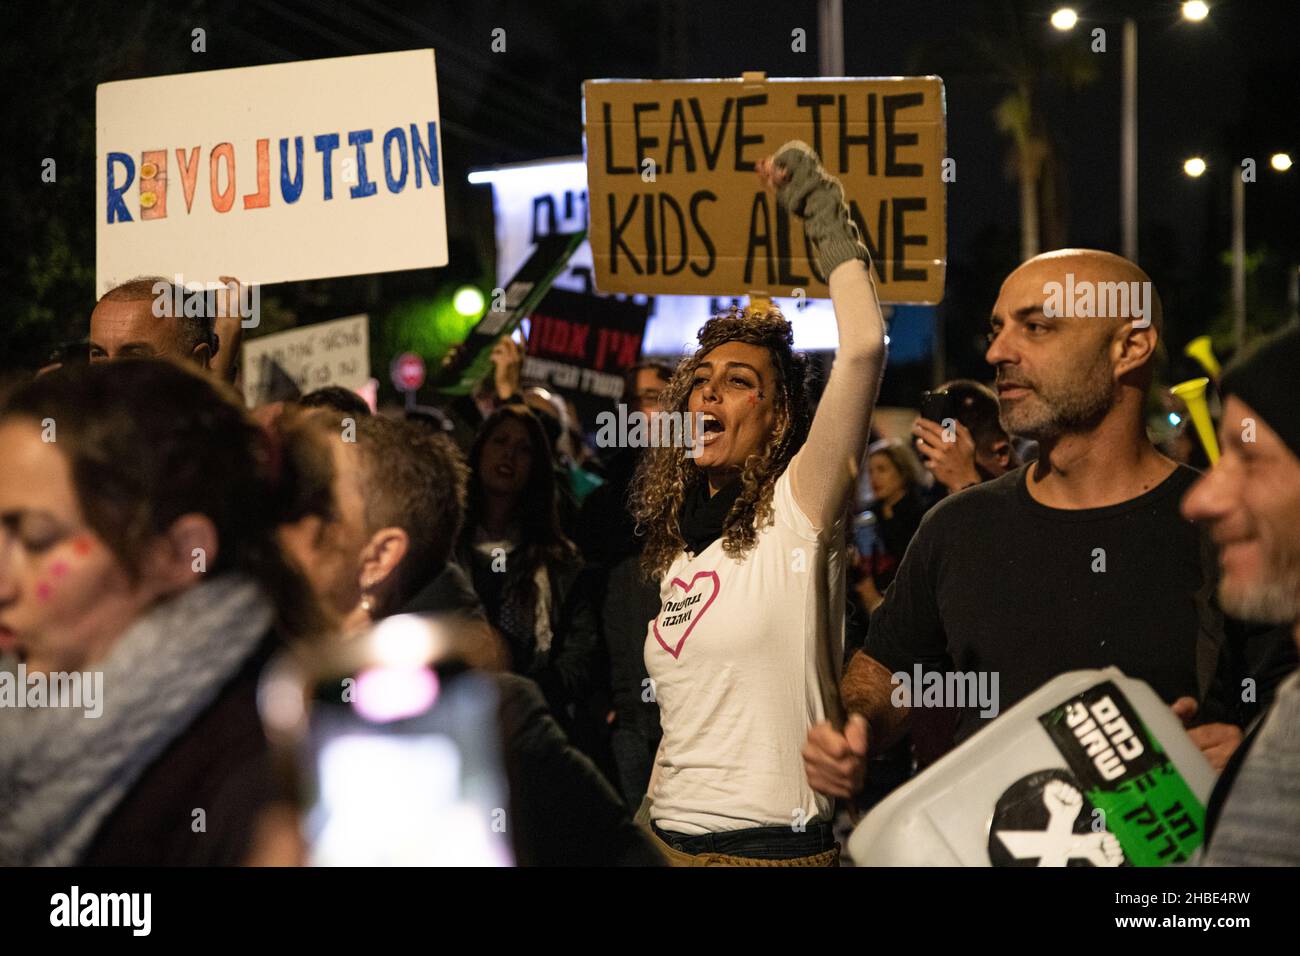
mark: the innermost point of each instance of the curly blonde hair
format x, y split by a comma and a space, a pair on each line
666, 474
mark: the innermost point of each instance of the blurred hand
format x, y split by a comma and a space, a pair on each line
865, 585
1217, 742
836, 763
951, 462
229, 327
508, 363
770, 173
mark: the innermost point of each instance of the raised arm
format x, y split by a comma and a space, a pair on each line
822, 472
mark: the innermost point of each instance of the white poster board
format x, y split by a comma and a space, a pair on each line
328, 353
271, 173
532, 200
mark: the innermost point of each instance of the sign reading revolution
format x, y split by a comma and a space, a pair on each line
271, 173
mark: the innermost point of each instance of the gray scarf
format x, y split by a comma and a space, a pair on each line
62, 773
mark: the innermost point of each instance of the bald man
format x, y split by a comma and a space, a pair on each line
123, 325
1079, 560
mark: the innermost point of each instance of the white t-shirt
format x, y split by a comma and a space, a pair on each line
745, 657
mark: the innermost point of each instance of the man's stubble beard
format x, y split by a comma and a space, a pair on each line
1071, 406
1276, 598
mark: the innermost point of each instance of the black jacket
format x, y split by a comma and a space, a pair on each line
565, 812
221, 765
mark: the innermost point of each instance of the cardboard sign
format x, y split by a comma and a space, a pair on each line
676, 206
271, 173
581, 345
328, 353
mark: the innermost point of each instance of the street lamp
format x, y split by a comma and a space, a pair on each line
1194, 167
1064, 19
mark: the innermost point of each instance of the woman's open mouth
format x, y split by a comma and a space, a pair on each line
712, 427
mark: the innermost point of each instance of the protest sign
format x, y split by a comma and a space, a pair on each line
676, 206
271, 173
328, 353
581, 345
511, 304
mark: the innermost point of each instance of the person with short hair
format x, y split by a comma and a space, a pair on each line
394, 494
124, 325
375, 535
1079, 560
337, 398
976, 449
1250, 502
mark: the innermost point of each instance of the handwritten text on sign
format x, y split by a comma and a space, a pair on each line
271, 173
677, 208
327, 353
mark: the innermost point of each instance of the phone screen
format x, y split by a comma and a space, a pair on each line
405, 770
865, 536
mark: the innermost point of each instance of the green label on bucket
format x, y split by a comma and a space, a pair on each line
1126, 774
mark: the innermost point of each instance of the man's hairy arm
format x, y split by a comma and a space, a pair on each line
835, 761
867, 688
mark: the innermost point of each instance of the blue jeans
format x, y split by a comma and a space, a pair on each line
761, 843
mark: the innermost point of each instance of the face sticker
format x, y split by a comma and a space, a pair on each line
43, 591
81, 544
59, 569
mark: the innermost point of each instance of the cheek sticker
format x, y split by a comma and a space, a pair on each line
43, 591
58, 569
753, 399
81, 544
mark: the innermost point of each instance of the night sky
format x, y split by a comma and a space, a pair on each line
1225, 88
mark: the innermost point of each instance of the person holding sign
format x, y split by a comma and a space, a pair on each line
745, 534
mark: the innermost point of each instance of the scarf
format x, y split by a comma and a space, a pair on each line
702, 516
518, 615
62, 773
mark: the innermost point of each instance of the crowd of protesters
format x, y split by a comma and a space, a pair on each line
154, 530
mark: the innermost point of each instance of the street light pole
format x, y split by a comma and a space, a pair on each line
830, 46
1128, 145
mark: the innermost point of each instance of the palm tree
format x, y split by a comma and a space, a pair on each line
1014, 50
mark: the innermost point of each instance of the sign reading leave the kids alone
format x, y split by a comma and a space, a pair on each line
271, 173
676, 207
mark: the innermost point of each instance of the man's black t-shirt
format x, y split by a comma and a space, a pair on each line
996, 582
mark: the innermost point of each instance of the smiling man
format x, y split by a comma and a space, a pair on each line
1079, 560
1250, 502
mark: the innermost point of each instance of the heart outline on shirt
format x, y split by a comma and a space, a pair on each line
687, 588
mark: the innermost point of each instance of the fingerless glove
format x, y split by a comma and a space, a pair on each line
817, 198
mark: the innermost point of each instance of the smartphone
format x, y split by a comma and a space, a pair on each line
398, 757
865, 534
938, 405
